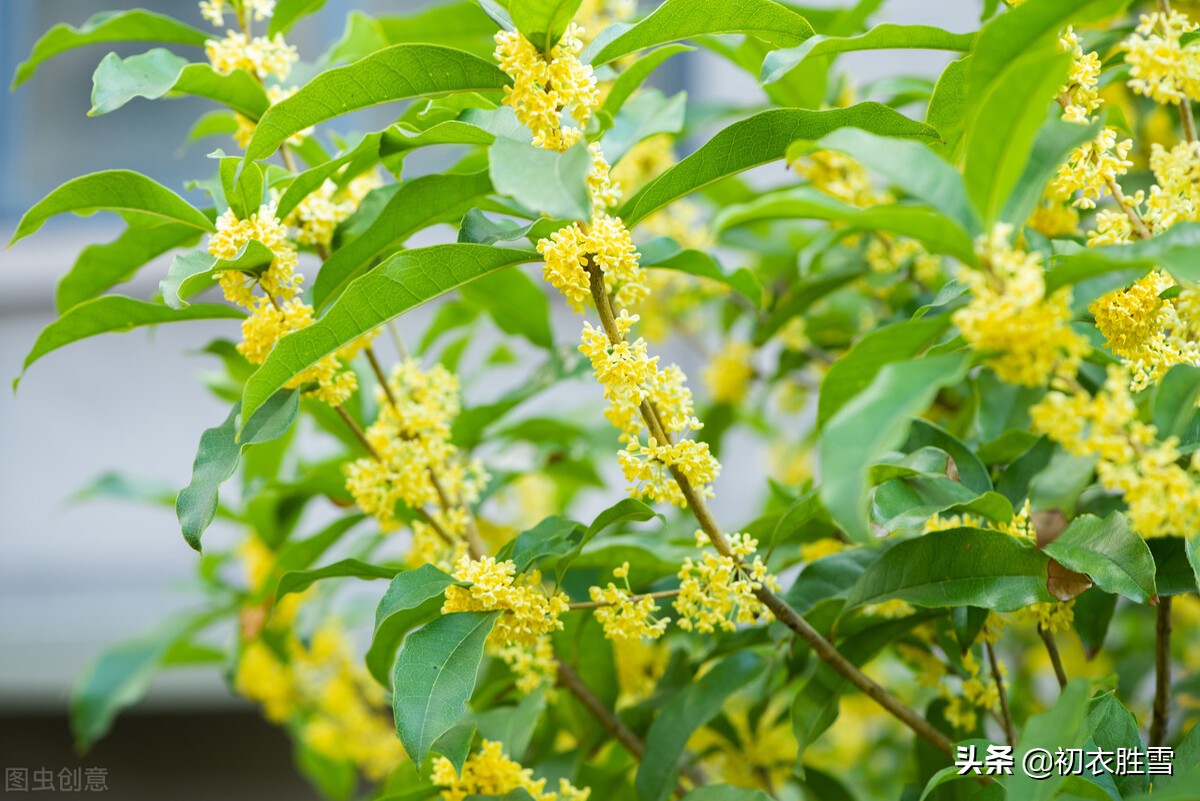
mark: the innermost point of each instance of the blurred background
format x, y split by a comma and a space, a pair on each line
78, 576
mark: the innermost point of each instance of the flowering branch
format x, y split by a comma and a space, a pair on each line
1006, 719
782, 611
1162, 672
1185, 105
628, 598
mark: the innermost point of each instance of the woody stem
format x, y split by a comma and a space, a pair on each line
1162, 671
782, 611
1003, 693
1055, 659
598, 604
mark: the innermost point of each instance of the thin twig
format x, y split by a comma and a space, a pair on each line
631, 598
384, 384
394, 333
782, 611
1185, 106
1055, 659
1006, 719
358, 432
1162, 672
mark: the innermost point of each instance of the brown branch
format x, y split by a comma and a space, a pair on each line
782, 611
358, 432
598, 604
1162, 672
1006, 718
1055, 659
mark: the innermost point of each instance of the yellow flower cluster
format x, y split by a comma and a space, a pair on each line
278, 311
1079, 94
1054, 218
1161, 496
543, 90
1010, 315
717, 592
317, 216
607, 244
1144, 329
1160, 66
1173, 198
730, 373
342, 713
886, 254
489, 772
214, 10
1091, 168
417, 463
624, 616
260, 56
978, 692
841, 177
529, 615
756, 749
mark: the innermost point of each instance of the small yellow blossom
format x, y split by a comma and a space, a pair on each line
261, 56
1144, 329
729, 374
717, 592
1080, 91
624, 616
543, 90
1160, 67
841, 177
489, 772
1091, 168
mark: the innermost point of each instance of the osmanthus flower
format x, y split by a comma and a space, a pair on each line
717, 592
1089, 170
1009, 314
1161, 67
318, 215
605, 242
1162, 496
318, 685
246, 126
1080, 94
412, 450
214, 10
1144, 329
625, 617
278, 311
841, 177
729, 374
521, 633
489, 772
261, 56
543, 90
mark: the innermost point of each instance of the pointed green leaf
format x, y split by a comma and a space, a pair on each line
114, 190
101, 267
956, 567
633, 76
515, 303
542, 180
157, 72
191, 273
779, 63
1063, 726
1111, 553
218, 455
1175, 398
665, 253
288, 12
394, 73
684, 19
108, 26
401, 283
413, 597
758, 140
872, 422
434, 677
116, 313
1173, 250
301, 580
543, 21
416, 204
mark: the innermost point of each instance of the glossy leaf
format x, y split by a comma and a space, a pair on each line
218, 455
872, 422
633, 76
1063, 726
395, 73
193, 272
413, 597
515, 303
956, 567
760, 139
666, 254
116, 313
882, 37
101, 267
1175, 398
683, 19
543, 21
542, 180
1111, 553
434, 677
288, 12
109, 26
114, 190
301, 580
401, 283
1172, 250
157, 72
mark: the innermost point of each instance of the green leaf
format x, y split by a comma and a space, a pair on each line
1111, 553
855, 371
157, 72
939, 233
301, 580
633, 76
1180, 787
648, 114
1175, 573
416, 204
956, 567
1174, 405
108, 26
288, 12
434, 677
101, 267
113, 313
726, 792
882, 37
114, 190
542, 180
1172, 250
1064, 726
872, 422
1112, 726
516, 304
770, 22
512, 726
218, 455
413, 597
395, 73
1001, 128
194, 272
552, 536
948, 107
543, 21
401, 283
624, 510
695, 705
761, 139
665, 253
